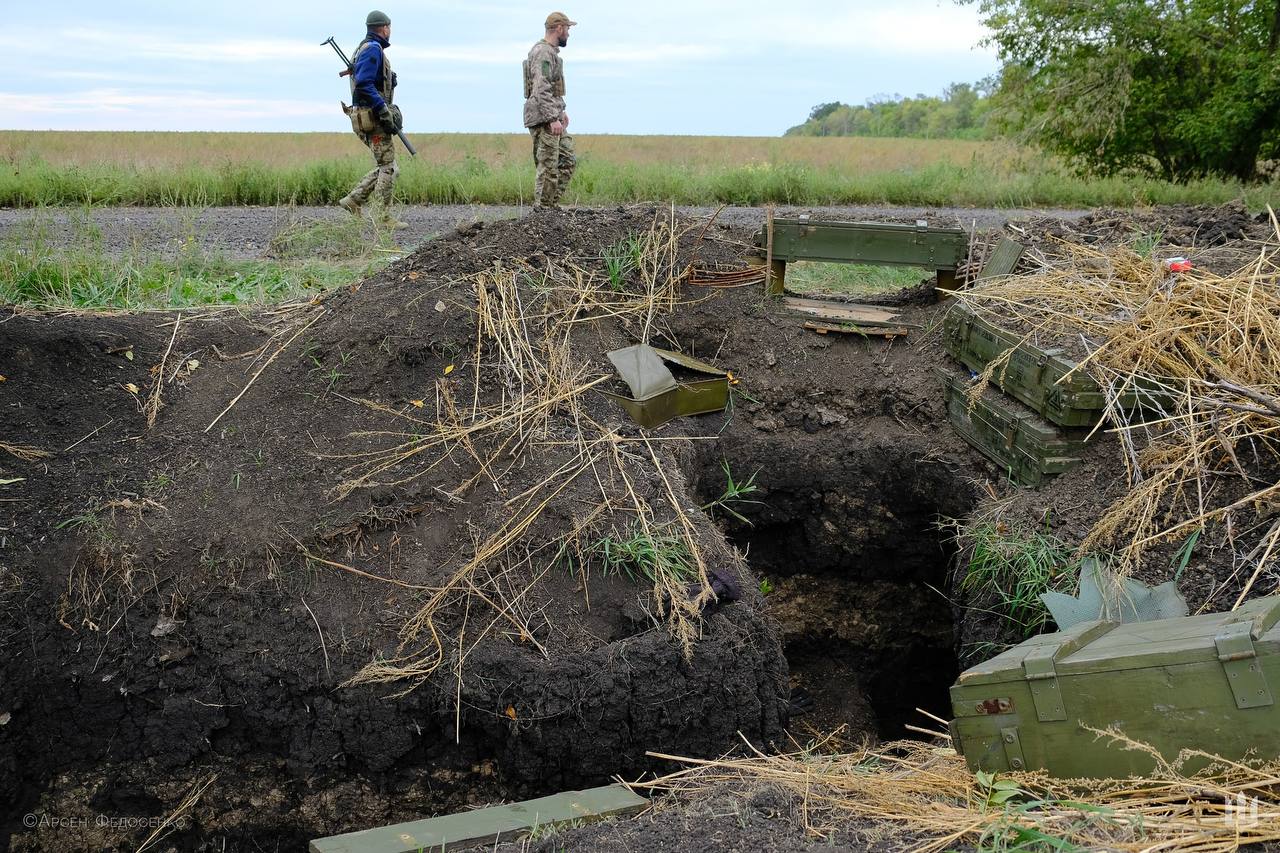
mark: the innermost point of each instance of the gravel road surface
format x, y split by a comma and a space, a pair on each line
246, 232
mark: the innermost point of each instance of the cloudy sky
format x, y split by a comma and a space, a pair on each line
726, 67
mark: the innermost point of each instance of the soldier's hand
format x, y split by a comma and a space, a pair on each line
564, 121
556, 128
387, 119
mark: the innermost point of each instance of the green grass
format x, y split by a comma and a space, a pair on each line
1014, 567
236, 169
344, 239
622, 259
735, 492
639, 554
36, 273
852, 279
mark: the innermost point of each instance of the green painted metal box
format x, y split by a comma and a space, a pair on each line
486, 828
1198, 682
1034, 376
1007, 433
875, 243
666, 385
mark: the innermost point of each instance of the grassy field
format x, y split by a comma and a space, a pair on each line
196, 169
305, 260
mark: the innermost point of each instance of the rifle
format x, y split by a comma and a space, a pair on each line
348, 72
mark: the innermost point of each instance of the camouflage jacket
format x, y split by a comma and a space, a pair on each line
543, 85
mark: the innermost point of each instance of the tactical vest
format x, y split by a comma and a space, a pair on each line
385, 89
556, 76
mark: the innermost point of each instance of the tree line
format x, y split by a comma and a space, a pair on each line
1176, 89
961, 112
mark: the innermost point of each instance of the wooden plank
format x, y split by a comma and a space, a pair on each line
486, 826
1003, 259
850, 311
851, 329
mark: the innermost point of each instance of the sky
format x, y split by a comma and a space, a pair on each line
704, 67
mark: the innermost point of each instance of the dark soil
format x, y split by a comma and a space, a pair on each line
173, 607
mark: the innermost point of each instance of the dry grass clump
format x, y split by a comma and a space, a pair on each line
1201, 351
933, 803
526, 397
25, 453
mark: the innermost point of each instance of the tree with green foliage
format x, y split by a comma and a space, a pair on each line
1179, 89
961, 112
821, 111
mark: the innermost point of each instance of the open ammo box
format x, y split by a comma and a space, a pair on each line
1199, 682
658, 394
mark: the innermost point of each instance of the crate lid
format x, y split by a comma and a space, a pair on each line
1110, 646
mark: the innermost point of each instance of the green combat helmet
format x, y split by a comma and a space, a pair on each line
377, 19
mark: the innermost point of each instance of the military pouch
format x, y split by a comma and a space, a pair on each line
363, 120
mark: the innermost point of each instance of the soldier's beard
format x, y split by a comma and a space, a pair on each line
564, 40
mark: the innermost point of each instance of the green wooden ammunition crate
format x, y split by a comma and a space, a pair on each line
1010, 435
1198, 682
1032, 375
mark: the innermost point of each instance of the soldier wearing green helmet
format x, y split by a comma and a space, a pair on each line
374, 118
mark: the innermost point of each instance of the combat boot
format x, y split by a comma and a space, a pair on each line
350, 205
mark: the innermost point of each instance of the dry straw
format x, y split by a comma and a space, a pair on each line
528, 386
1202, 353
25, 453
923, 795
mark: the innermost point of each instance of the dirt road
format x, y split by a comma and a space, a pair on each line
246, 232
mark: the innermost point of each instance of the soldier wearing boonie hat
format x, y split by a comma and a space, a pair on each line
544, 113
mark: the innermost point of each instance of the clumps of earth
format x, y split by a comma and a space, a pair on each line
287, 573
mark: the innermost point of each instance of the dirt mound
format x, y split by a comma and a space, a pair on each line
391, 553
199, 592
1220, 238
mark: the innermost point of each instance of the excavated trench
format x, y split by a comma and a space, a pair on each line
845, 532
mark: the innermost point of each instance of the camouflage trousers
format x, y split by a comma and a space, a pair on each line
381, 180
553, 157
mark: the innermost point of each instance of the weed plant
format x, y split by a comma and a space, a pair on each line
1014, 567
622, 259
734, 493
640, 554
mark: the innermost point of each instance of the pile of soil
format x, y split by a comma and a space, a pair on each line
179, 605
1221, 239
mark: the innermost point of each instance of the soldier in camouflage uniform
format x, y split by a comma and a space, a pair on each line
374, 118
544, 113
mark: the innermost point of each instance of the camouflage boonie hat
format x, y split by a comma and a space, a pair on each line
555, 19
